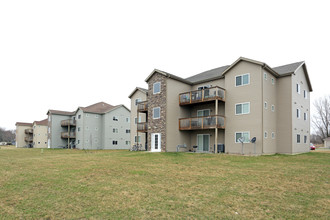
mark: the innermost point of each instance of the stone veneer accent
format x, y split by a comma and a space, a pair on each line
157, 100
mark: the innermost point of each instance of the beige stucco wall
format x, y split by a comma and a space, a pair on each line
251, 122
269, 116
143, 96
20, 135
40, 136
299, 125
173, 113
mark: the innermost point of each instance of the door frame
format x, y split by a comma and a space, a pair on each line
209, 135
152, 144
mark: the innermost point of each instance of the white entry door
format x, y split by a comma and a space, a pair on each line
155, 142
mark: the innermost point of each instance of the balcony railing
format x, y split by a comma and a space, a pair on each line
65, 123
142, 106
203, 95
142, 127
68, 134
28, 139
199, 123
29, 131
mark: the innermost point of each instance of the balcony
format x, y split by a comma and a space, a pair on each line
200, 123
142, 127
204, 95
142, 106
68, 134
68, 122
28, 139
29, 131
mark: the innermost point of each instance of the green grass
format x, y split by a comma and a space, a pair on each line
73, 184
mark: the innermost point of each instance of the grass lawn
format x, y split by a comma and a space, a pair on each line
77, 184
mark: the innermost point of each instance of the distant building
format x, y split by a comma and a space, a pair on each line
98, 126
24, 134
327, 142
40, 133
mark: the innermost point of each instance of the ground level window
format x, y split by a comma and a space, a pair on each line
114, 142
298, 138
137, 139
128, 143
245, 135
305, 139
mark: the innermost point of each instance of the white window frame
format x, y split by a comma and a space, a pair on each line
242, 79
298, 88
265, 105
265, 76
242, 108
298, 113
305, 116
299, 139
265, 134
242, 132
153, 113
153, 88
114, 142
273, 135
136, 120
305, 139
273, 81
115, 118
305, 94
137, 100
137, 138
273, 108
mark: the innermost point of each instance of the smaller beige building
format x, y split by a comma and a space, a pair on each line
24, 134
40, 133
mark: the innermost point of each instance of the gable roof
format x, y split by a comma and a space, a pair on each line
23, 124
289, 68
57, 112
42, 122
167, 75
138, 89
98, 108
207, 75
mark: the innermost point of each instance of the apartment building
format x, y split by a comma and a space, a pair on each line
31, 134
24, 134
227, 105
98, 126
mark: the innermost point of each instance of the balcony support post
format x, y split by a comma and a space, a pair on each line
216, 127
69, 136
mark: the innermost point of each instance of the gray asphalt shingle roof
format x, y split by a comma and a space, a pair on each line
210, 74
289, 68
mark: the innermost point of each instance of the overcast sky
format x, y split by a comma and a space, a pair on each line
64, 54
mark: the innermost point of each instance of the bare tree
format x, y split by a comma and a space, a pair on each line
321, 119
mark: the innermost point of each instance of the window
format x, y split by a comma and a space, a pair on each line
78, 142
305, 94
202, 113
45, 142
305, 139
114, 142
265, 134
127, 120
298, 113
242, 108
305, 116
156, 88
127, 143
273, 81
245, 135
128, 131
273, 135
156, 113
265, 76
136, 121
203, 87
298, 138
48, 129
115, 118
265, 105
38, 142
96, 116
137, 138
115, 130
243, 80
78, 129
87, 115
273, 108
137, 101
298, 88
79, 116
